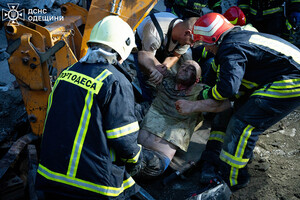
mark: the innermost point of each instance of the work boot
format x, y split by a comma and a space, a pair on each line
208, 173
243, 177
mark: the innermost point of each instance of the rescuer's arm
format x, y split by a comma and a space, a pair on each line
121, 125
231, 72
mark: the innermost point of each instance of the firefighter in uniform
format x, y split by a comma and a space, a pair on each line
89, 146
261, 74
191, 8
293, 21
266, 16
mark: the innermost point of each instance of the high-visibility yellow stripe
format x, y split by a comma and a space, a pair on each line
277, 93
83, 80
83, 127
243, 141
249, 84
85, 185
135, 158
80, 135
253, 11
112, 154
214, 66
244, 6
233, 176
204, 53
276, 46
232, 160
239, 153
122, 131
216, 94
234, 21
273, 10
286, 84
217, 135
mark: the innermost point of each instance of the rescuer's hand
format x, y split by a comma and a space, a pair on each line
135, 168
156, 77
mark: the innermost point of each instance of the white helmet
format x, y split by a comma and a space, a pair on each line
115, 33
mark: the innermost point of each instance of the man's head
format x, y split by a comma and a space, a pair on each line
115, 33
209, 28
182, 31
188, 73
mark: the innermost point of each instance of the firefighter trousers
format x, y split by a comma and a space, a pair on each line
251, 119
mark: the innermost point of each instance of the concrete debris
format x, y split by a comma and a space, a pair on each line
262, 166
262, 152
279, 152
290, 133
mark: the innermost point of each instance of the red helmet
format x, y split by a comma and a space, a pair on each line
209, 28
236, 16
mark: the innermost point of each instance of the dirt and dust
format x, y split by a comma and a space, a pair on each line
275, 172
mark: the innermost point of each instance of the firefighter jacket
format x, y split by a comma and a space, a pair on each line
293, 6
90, 133
192, 8
198, 4
255, 63
261, 8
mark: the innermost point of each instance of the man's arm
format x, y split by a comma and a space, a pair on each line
170, 61
151, 66
186, 107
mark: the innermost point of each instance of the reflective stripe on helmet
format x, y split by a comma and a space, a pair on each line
211, 29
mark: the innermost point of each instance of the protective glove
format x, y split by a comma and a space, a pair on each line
135, 168
204, 93
155, 77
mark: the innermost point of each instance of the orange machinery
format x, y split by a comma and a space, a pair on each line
39, 54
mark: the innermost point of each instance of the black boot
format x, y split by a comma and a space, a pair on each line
208, 173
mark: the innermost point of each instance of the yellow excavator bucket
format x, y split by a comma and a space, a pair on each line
131, 11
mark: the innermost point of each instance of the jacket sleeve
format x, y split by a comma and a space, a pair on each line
244, 5
120, 122
230, 73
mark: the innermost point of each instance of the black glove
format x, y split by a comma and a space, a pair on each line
135, 168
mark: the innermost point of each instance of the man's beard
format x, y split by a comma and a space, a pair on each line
186, 81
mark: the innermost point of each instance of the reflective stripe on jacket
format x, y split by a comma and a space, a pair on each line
261, 7
258, 64
89, 134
